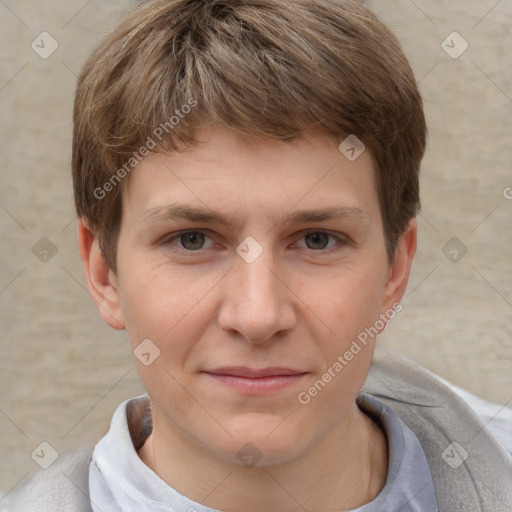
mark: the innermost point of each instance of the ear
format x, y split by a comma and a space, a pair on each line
400, 267
101, 281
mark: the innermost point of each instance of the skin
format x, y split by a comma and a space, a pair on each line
298, 305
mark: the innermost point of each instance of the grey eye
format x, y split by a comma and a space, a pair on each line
317, 240
192, 240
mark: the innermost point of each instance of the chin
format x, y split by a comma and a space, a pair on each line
263, 442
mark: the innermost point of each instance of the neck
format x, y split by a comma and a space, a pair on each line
347, 469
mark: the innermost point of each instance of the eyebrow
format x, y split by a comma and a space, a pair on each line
199, 215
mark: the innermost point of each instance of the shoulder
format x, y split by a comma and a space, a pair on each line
461, 452
63, 487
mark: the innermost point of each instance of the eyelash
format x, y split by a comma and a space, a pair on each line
342, 241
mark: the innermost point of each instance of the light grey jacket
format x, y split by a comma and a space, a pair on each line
482, 482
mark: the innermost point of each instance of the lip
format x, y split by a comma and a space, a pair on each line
256, 381
255, 373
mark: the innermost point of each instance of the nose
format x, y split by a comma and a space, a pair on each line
258, 302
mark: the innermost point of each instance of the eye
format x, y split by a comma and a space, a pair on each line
190, 241
195, 241
319, 240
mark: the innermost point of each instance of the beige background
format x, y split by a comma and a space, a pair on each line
63, 372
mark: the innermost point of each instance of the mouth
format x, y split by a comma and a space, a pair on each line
256, 381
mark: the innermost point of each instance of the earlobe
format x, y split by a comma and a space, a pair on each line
401, 267
101, 281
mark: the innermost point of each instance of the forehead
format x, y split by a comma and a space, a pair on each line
244, 173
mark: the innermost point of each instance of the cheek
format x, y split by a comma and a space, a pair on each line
158, 299
171, 310
351, 302
351, 310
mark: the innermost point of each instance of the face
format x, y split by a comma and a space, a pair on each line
252, 267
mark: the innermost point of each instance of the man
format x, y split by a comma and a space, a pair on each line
246, 182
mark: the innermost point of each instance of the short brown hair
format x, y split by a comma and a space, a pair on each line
268, 68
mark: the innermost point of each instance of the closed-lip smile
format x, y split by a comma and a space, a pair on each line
254, 373
256, 381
